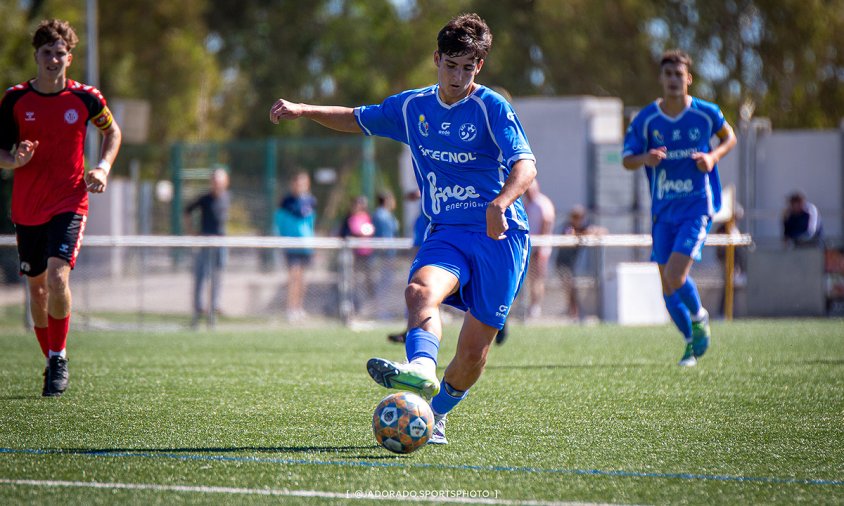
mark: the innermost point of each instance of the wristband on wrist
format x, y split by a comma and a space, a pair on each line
105, 166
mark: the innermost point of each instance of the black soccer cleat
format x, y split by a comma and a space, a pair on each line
57, 377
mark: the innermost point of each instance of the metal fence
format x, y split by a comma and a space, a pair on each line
148, 281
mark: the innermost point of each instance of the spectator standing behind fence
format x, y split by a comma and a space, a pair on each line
386, 227
541, 216
801, 222
43, 123
358, 223
213, 208
577, 224
296, 217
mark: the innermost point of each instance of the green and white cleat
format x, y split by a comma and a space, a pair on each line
411, 377
688, 359
701, 335
438, 434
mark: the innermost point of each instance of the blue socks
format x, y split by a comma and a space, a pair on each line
679, 314
448, 397
690, 296
421, 343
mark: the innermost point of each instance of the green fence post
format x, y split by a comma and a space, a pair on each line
176, 151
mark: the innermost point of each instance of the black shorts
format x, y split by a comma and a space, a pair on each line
60, 237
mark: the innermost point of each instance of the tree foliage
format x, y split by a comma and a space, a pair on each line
212, 69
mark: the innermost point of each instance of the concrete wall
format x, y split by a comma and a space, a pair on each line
561, 131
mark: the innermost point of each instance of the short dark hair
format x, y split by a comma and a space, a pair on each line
51, 30
797, 197
465, 34
676, 57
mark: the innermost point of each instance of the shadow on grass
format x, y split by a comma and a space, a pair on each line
351, 452
624, 365
819, 361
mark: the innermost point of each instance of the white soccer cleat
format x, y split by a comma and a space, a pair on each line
438, 434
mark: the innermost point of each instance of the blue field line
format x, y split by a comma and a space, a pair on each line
361, 463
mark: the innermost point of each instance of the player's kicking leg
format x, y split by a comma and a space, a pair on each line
427, 288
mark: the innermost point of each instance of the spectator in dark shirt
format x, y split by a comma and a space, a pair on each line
801, 223
213, 210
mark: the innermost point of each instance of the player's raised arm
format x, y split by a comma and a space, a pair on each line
334, 117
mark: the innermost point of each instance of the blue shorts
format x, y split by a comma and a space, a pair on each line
490, 272
686, 237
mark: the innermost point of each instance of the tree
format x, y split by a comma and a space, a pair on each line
784, 58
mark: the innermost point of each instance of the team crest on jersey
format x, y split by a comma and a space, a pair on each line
468, 132
71, 116
658, 137
694, 134
423, 126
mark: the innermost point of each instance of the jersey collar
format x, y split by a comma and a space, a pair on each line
462, 100
678, 117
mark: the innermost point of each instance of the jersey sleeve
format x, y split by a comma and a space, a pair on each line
634, 141
718, 119
8, 125
509, 133
98, 112
384, 119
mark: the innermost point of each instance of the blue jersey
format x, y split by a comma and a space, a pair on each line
462, 153
678, 189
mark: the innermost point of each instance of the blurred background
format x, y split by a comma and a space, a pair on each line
191, 83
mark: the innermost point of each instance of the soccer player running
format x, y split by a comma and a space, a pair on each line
671, 138
472, 162
42, 137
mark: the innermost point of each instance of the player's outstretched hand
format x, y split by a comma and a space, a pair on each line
282, 109
705, 161
23, 152
97, 180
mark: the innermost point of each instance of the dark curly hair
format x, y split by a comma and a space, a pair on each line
51, 30
465, 34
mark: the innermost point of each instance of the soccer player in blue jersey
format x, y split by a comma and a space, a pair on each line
472, 162
672, 137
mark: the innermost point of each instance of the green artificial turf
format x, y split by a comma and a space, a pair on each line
588, 414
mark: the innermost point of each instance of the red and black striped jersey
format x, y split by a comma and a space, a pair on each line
53, 181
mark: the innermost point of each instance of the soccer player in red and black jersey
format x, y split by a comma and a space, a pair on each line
42, 137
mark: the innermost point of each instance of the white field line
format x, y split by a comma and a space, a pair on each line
437, 496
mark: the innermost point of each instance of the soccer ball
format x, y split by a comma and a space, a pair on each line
402, 422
